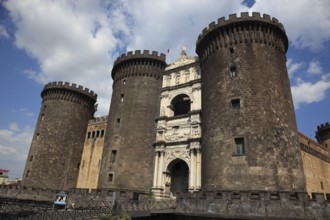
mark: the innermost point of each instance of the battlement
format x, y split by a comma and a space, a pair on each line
97, 120
69, 86
254, 205
323, 126
256, 16
138, 63
245, 29
137, 54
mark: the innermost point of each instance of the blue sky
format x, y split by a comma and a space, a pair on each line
77, 41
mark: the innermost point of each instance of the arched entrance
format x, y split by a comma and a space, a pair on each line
179, 176
181, 104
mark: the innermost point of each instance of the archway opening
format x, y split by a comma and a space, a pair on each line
179, 176
181, 104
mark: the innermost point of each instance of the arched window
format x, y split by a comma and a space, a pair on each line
180, 104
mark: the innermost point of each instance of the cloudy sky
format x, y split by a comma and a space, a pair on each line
77, 41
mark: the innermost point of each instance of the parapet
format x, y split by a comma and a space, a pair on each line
98, 120
323, 126
254, 205
137, 54
69, 86
244, 17
138, 63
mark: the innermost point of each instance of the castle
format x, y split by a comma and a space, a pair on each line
221, 121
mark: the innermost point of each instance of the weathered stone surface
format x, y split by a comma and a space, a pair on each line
55, 152
245, 61
131, 122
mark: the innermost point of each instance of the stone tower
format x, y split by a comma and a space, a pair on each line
127, 160
249, 128
323, 135
55, 153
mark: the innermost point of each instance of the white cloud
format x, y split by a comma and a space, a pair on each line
307, 92
3, 32
314, 67
293, 67
14, 146
307, 22
72, 40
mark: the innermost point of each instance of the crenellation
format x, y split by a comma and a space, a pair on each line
59, 85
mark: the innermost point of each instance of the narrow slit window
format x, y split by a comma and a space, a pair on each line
236, 103
322, 187
110, 177
231, 50
233, 71
37, 136
118, 123
124, 81
239, 146
122, 98
93, 134
31, 158
88, 135
113, 156
27, 173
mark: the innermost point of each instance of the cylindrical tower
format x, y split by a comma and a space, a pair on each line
249, 128
58, 141
127, 161
323, 135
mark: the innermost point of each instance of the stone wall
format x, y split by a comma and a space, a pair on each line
316, 163
254, 205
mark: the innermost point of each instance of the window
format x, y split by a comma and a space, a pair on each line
97, 133
322, 187
118, 123
37, 136
42, 117
235, 103
239, 146
110, 177
124, 81
231, 50
102, 133
31, 158
89, 135
180, 104
27, 173
113, 156
93, 134
233, 72
122, 98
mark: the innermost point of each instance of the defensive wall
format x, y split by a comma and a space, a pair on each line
253, 205
200, 205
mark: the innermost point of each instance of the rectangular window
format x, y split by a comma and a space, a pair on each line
233, 72
236, 103
31, 158
322, 185
89, 135
118, 123
231, 50
239, 146
110, 177
113, 156
122, 98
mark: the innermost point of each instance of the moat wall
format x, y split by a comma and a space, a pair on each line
200, 205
